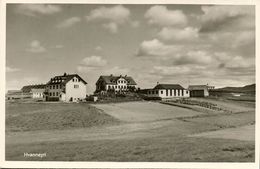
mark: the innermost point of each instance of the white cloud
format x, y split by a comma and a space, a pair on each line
10, 69
244, 38
194, 57
112, 16
135, 24
98, 48
69, 22
240, 62
160, 15
174, 34
217, 17
111, 27
35, 9
156, 48
117, 14
36, 47
94, 61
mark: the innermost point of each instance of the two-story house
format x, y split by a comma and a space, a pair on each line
115, 83
68, 87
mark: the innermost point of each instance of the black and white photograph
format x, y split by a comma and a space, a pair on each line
118, 82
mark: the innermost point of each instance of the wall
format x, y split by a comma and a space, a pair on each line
173, 93
75, 93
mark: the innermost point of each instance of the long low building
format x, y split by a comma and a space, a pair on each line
168, 91
17, 94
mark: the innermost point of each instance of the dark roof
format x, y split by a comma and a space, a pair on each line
168, 86
197, 87
27, 89
112, 79
64, 79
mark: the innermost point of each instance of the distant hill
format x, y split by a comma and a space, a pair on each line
245, 89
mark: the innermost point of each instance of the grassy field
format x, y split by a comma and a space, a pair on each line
48, 116
132, 131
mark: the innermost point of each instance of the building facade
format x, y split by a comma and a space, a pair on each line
168, 91
35, 91
115, 83
199, 90
66, 88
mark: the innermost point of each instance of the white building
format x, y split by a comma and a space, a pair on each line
115, 83
37, 93
66, 88
168, 91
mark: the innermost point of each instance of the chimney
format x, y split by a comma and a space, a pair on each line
120, 76
157, 83
111, 75
125, 75
65, 74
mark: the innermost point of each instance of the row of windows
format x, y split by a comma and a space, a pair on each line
55, 86
54, 93
76, 80
170, 92
117, 87
153, 92
121, 81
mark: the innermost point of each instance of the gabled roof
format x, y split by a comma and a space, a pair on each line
113, 79
168, 86
197, 87
64, 79
28, 88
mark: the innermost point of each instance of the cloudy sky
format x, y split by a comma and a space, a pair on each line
184, 44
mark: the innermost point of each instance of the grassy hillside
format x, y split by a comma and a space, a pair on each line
244, 89
46, 116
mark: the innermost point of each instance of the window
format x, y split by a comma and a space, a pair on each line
76, 86
57, 93
162, 92
187, 92
174, 92
73, 80
182, 92
53, 94
50, 87
156, 91
166, 92
170, 92
50, 94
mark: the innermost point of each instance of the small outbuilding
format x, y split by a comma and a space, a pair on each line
199, 90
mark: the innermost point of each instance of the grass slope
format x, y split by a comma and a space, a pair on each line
46, 116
